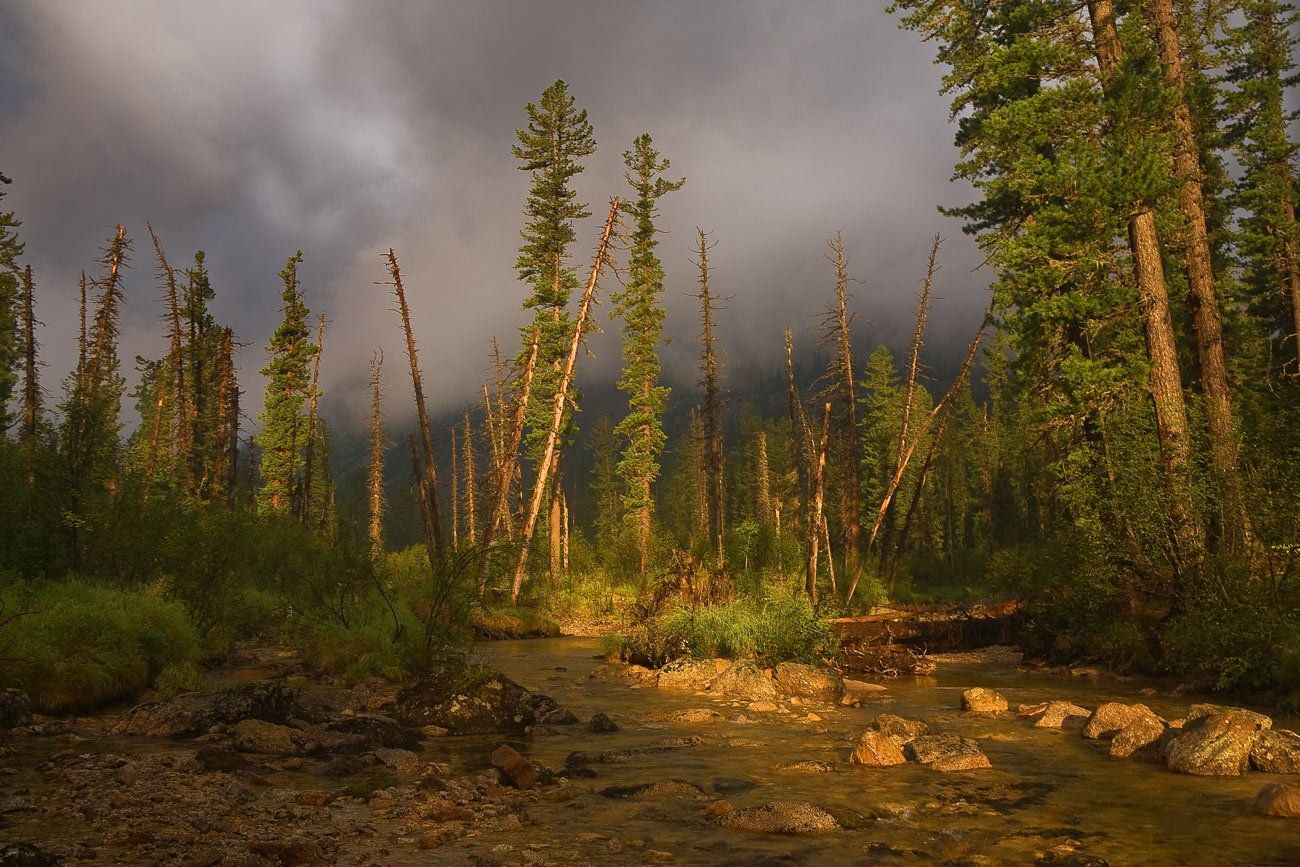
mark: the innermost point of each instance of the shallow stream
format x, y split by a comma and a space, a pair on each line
1046, 788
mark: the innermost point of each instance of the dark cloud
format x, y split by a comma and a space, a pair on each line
252, 129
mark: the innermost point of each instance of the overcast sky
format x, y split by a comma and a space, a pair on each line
252, 129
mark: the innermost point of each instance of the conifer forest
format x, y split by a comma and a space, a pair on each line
585, 433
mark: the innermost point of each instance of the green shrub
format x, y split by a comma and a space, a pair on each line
76, 646
778, 628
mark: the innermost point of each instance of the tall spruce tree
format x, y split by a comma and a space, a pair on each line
1261, 53
284, 424
11, 344
640, 304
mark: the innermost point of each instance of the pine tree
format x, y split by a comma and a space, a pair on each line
33, 394
284, 428
11, 346
710, 382
1262, 66
557, 136
640, 305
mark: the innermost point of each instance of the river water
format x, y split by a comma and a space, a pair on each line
1048, 791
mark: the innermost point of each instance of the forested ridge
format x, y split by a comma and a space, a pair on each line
1115, 447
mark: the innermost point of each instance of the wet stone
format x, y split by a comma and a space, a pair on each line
780, 817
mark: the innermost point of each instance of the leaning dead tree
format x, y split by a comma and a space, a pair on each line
428, 476
375, 467
709, 303
942, 407
546, 464
909, 389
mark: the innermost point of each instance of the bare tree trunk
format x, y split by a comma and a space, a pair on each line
815, 509
1166, 384
901, 468
455, 491
422, 494
564, 547
841, 319
313, 421
1202, 296
375, 468
471, 482
830, 556
561, 397
555, 519
1293, 269
430, 482
499, 509
712, 400
909, 391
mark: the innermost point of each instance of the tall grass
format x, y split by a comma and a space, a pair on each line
75, 646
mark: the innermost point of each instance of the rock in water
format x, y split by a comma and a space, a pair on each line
1276, 751
780, 817
1260, 721
876, 749
1277, 799
1143, 733
981, 700
269, 739
1218, 745
374, 730
1056, 715
809, 682
690, 675
1111, 717
899, 730
514, 769
661, 790
602, 724
746, 681
15, 708
474, 702
196, 712
946, 753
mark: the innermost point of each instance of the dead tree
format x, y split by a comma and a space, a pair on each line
429, 482
709, 370
909, 389
836, 331
375, 467
816, 487
470, 482
921, 431
455, 491
561, 398
419, 475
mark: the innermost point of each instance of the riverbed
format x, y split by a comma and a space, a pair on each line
1050, 796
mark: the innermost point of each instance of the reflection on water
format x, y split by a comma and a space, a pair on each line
1045, 787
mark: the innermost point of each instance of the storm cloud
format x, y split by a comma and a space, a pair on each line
253, 129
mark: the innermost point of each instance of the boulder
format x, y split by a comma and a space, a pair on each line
656, 791
1056, 715
690, 675
196, 712
806, 766
473, 702
15, 708
877, 749
688, 715
1279, 800
1143, 734
1111, 717
946, 753
548, 711
809, 682
1276, 751
1259, 720
268, 739
982, 701
780, 817
747, 681
371, 730
602, 724
1215, 745
513, 768
405, 762
899, 730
